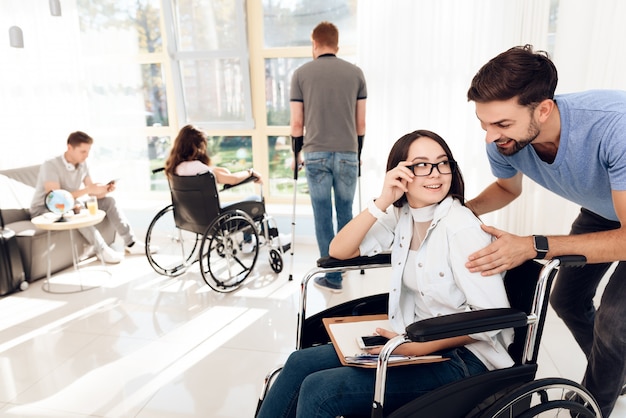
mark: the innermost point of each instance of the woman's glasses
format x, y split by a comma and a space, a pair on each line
425, 169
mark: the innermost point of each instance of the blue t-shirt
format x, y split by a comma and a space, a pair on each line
591, 159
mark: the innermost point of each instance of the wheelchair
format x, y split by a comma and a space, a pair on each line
511, 392
224, 239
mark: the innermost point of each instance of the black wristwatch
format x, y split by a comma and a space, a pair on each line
541, 246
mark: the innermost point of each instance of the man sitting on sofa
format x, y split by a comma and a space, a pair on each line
69, 172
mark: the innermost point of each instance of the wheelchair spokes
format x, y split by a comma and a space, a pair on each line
546, 398
224, 264
176, 247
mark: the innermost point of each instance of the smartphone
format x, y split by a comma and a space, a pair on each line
371, 341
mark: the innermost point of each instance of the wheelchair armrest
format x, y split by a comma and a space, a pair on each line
244, 181
465, 323
330, 262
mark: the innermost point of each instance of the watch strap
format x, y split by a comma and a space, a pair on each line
540, 243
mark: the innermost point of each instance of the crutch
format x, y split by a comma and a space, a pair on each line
360, 148
296, 147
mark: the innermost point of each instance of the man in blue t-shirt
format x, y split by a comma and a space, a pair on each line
578, 151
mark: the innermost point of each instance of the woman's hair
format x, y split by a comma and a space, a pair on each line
400, 152
326, 34
189, 145
518, 72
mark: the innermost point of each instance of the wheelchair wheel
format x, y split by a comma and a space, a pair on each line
550, 397
176, 247
276, 261
226, 261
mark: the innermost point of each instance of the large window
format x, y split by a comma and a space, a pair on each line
210, 63
131, 73
289, 23
287, 27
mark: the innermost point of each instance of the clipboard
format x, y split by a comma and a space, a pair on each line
343, 332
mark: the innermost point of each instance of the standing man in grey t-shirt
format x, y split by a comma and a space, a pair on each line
328, 101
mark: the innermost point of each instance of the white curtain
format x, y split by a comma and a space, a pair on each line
419, 57
590, 45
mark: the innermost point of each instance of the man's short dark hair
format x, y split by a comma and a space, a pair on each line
518, 72
78, 137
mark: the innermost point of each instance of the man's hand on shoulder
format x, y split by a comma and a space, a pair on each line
507, 251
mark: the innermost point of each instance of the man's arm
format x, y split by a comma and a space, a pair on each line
297, 126
90, 188
598, 247
360, 117
497, 195
509, 250
297, 118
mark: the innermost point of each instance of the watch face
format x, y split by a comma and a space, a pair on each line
541, 243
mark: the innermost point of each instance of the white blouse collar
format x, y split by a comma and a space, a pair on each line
423, 214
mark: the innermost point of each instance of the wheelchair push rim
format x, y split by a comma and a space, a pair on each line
176, 247
223, 263
546, 398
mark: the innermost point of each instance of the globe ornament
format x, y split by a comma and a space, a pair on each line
59, 201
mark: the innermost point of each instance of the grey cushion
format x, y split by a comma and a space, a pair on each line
16, 189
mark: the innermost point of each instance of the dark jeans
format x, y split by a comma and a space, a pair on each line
314, 384
600, 333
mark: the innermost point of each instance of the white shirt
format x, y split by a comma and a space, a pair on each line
445, 285
191, 168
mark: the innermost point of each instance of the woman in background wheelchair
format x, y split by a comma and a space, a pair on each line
420, 216
223, 237
189, 157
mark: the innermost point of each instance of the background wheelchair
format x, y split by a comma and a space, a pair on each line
512, 392
223, 238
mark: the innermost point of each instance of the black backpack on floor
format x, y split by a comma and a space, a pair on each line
11, 267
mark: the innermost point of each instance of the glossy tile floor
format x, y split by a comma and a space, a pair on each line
147, 346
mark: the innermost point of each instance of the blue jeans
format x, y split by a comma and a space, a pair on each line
601, 334
331, 173
314, 384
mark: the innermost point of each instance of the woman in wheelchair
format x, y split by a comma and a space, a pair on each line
420, 216
189, 157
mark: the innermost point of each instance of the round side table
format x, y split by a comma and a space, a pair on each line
50, 222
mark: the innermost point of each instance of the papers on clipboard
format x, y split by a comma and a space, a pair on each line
343, 332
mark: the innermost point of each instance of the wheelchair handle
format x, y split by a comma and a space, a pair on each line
571, 260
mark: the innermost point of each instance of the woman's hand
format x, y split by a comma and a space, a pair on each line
396, 183
257, 175
407, 349
423, 349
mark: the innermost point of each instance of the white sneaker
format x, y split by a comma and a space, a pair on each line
248, 247
285, 241
110, 256
139, 248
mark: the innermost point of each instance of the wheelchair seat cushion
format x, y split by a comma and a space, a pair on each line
253, 206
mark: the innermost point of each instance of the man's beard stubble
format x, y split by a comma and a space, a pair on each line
533, 133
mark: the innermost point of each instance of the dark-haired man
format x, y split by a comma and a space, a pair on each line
574, 145
69, 172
